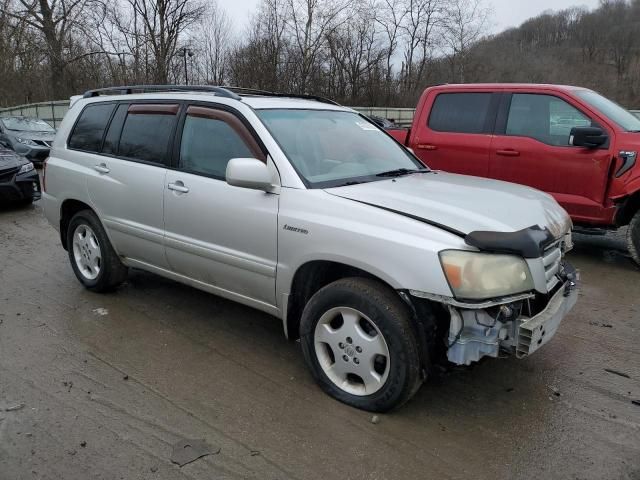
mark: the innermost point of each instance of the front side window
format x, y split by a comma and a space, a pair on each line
147, 131
333, 148
210, 138
546, 118
89, 130
460, 112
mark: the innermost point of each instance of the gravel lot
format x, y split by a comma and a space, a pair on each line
102, 386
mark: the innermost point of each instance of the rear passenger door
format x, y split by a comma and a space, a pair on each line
127, 178
223, 236
456, 132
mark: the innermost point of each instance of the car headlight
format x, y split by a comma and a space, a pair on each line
26, 141
27, 167
476, 275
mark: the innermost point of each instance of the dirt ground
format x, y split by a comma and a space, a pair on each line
102, 386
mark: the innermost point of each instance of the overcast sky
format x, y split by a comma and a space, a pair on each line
506, 13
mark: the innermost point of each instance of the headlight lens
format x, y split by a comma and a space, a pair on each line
27, 167
475, 275
26, 141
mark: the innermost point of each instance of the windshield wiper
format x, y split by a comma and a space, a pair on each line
398, 172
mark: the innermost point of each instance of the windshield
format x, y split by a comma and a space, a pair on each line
27, 124
623, 118
333, 148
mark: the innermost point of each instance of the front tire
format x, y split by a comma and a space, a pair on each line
93, 259
633, 238
360, 345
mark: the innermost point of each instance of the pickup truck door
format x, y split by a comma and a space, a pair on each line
454, 132
531, 147
217, 234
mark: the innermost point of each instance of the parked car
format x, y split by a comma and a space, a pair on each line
19, 181
568, 141
382, 122
27, 136
308, 211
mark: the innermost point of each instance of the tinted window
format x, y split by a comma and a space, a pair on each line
546, 118
146, 136
113, 134
88, 132
208, 144
460, 112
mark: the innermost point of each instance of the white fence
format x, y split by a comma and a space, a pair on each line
53, 112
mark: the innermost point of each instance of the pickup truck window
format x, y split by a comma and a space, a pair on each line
460, 112
333, 148
623, 118
546, 118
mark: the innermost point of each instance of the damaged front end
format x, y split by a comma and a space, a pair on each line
519, 323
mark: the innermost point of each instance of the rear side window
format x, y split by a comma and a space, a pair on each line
115, 128
147, 132
210, 138
460, 112
89, 129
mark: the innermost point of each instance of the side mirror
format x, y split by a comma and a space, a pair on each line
248, 173
590, 137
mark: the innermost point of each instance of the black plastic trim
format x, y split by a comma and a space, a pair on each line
528, 242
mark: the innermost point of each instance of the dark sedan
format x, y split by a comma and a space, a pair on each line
27, 136
19, 181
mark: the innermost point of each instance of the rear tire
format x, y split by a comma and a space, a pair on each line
93, 259
360, 345
633, 238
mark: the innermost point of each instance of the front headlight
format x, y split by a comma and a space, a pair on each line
27, 167
476, 275
26, 141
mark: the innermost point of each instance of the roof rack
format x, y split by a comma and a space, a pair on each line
228, 92
265, 93
130, 89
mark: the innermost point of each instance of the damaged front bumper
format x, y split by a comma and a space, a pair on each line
517, 326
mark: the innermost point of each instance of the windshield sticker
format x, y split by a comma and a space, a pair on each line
367, 126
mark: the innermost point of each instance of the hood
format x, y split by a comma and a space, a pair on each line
9, 159
28, 135
462, 204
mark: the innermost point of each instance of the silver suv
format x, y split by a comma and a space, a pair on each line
310, 212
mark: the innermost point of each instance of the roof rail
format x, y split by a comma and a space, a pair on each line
265, 93
130, 89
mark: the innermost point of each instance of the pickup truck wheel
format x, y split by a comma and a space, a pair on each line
633, 238
93, 259
360, 345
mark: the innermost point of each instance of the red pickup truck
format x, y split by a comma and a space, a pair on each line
570, 142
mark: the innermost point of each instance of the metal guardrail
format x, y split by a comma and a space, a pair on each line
53, 112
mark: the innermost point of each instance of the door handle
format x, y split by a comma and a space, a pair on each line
178, 187
426, 146
508, 153
102, 168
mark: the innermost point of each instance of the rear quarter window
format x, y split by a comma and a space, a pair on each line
460, 112
89, 129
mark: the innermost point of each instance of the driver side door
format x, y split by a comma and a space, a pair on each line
531, 147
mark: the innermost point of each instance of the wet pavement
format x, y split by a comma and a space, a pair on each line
102, 386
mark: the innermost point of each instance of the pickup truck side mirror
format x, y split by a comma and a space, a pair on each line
590, 137
248, 173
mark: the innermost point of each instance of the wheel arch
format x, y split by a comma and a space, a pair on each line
311, 277
627, 209
67, 210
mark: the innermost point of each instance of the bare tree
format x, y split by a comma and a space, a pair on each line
214, 42
467, 21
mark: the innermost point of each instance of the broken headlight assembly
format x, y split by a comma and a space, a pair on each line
477, 275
